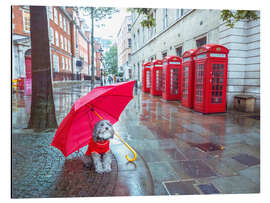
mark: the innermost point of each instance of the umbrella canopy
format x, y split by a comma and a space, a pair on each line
76, 128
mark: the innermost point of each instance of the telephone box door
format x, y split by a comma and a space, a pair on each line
199, 86
216, 90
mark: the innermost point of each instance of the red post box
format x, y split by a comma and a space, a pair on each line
210, 83
146, 77
156, 78
171, 78
187, 78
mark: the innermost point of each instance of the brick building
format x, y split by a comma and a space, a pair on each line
70, 45
178, 30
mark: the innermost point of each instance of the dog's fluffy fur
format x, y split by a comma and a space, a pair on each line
103, 131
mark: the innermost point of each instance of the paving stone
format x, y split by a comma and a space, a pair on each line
235, 185
181, 188
246, 159
192, 169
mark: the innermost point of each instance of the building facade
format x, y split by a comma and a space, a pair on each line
70, 46
124, 48
178, 30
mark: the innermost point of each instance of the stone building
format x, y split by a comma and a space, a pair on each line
178, 30
124, 48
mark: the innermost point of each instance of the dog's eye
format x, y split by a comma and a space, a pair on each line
102, 124
107, 128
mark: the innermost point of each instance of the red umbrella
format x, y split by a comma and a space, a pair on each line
105, 102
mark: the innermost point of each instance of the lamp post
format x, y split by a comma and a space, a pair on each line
101, 69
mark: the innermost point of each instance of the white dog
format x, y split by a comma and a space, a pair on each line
99, 147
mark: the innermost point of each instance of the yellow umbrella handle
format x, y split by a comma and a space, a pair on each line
123, 141
129, 147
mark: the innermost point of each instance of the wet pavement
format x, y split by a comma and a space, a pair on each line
180, 152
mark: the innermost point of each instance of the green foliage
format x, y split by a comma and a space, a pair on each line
231, 17
149, 20
111, 60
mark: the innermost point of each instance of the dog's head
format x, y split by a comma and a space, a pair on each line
103, 130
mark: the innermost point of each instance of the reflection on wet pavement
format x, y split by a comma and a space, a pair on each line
167, 138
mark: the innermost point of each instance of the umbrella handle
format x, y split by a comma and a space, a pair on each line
121, 139
129, 147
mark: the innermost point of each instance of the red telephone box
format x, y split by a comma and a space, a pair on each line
156, 78
210, 83
146, 77
171, 78
187, 78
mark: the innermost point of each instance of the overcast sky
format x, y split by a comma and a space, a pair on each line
112, 25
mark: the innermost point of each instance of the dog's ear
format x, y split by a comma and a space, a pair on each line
95, 131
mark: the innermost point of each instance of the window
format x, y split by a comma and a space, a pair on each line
56, 39
164, 54
55, 16
138, 40
69, 46
56, 63
179, 51
51, 35
66, 63
66, 44
62, 42
65, 26
165, 18
26, 21
63, 63
129, 43
70, 64
129, 27
134, 41
200, 42
61, 20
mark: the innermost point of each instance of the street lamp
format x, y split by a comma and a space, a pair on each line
101, 59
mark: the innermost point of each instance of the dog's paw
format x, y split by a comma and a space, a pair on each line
107, 169
99, 170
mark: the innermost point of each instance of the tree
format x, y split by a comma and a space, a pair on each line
96, 14
42, 107
230, 17
111, 60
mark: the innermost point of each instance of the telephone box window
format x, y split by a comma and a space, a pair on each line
185, 82
199, 82
217, 83
174, 81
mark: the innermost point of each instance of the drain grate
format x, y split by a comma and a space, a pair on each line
209, 147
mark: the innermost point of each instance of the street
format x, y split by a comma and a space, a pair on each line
180, 152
